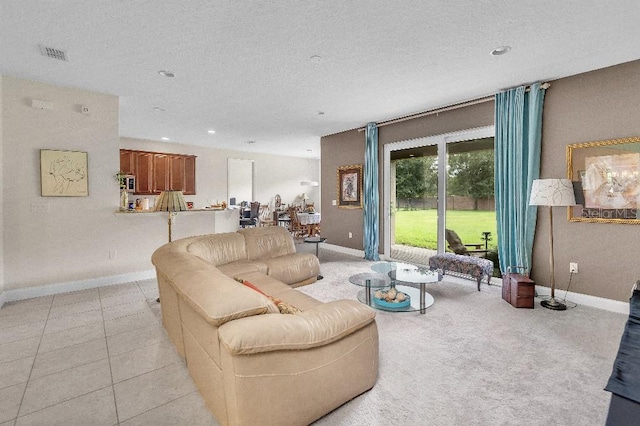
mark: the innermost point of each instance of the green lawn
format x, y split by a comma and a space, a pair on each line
417, 228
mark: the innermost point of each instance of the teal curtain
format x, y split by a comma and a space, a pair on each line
371, 197
518, 121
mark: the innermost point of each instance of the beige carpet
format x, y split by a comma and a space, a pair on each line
475, 360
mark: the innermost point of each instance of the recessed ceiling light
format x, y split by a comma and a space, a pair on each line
500, 50
159, 109
320, 112
211, 131
250, 142
166, 73
316, 58
164, 138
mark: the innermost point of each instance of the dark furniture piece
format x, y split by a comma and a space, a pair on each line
316, 241
518, 290
252, 220
624, 383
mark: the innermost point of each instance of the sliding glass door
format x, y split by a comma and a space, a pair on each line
439, 190
414, 198
470, 219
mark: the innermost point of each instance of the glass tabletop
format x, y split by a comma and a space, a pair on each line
386, 267
315, 239
407, 273
376, 280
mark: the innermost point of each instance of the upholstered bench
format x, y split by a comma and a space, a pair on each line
476, 267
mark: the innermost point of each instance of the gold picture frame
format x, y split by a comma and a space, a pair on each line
606, 179
64, 173
350, 186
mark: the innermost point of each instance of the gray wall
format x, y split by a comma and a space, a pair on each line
598, 105
348, 148
342, 149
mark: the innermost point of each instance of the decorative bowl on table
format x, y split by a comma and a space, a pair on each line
391, 299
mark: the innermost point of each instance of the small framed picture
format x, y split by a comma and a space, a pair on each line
64, 173
350, 186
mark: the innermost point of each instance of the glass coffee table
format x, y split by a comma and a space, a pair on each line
400, 277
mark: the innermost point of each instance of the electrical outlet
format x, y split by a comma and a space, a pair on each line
334, 203
573, 267
350, 235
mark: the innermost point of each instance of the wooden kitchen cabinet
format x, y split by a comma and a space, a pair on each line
127, 162
156, 171
160, 173
143, 172
176, 173
190, 175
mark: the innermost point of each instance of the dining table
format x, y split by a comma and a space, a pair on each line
310, 221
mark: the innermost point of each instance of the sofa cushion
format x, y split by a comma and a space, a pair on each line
242, 267
293, 268
273, 287
320, 326
219, 249
283, 307
267, 242
203, 291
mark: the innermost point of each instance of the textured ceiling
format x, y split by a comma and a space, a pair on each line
244, 68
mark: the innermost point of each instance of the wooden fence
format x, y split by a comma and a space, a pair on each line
454, 202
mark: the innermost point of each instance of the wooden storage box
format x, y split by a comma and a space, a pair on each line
518, 290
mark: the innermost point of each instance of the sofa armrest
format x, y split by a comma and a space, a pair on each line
315, 327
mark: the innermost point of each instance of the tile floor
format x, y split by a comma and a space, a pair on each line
93, 357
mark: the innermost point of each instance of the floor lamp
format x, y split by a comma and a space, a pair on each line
552, 193
172, 202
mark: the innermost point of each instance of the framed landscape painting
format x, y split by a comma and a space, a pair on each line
350, 186
63, 173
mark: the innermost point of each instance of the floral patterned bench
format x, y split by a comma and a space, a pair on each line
476, 267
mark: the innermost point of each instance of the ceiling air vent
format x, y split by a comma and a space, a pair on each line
53, 53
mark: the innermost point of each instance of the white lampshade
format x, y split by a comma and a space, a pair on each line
170, 201
305, 196
552, 192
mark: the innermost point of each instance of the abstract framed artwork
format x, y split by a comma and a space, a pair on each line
350, 186
606, 179
64, 173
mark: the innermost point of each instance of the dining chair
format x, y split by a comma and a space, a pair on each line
295, 227
265, 216
252, 220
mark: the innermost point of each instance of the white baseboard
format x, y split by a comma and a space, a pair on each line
344, 250
578, 298
58, 288
587, 300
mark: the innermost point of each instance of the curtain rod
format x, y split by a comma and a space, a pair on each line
446, 108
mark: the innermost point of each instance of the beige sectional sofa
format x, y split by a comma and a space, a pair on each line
252, 364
